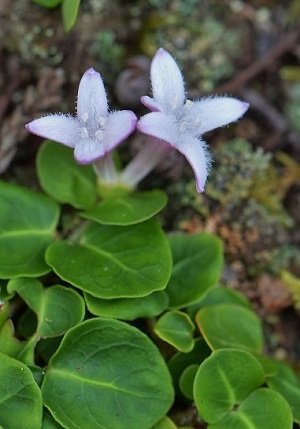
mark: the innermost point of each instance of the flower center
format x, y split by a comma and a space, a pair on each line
90, 128
185, 119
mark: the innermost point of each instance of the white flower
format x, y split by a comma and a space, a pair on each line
180, 122
94, 132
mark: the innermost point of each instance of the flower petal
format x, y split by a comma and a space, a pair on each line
215, 112
88, 150
118, 127
92, 100
197, 155
60, 128
159, 125
167, 81
152, 104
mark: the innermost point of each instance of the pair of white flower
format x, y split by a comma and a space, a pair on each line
174, 122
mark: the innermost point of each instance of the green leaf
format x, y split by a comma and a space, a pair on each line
198, 261
218, 325
4, 295
165, 423
47, 3
115, 261
27, 224
180, 361
176, 328
49, 422
69, 13
38, 373
186, 381
20, 396
128, 209
47, 347
58, 308
27, 323
218, 295
287, 384
11, 346
105, 372
263, 408
4, 311
268, 365
128, 308
63, 179
223, 381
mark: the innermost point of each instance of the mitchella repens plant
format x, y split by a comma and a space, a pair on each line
87, 275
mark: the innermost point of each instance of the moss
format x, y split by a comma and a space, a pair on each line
242, 201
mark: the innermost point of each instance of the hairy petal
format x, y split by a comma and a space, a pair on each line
197, 155
92, 98
60, 128
161, 126
215, 112
88, 150
167, 81
152, 104
118, 127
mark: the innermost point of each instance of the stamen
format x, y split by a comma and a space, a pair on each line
99, 135
84, 117
188, 104
84, 133
102, 121
183, 126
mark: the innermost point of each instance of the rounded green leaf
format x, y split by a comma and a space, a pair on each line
165, 423
27, 224
115, 261
262, 409
63, 179
20, 396
69, 13
176, 328
218, 295
268, 365
128, 308
230, 325
197, 264
128, 209
186, 381
107, 374
49, 422
223, 381
180, 361
4, 295
57, 307
287, 384
11, 346
4, 312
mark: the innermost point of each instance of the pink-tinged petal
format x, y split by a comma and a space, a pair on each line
118, 127
60, 128
152, 104
197, 155
159, 125
215, 112
92, 100
167, 81
88, 151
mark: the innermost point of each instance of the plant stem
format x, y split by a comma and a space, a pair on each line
105, 169
151, 154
